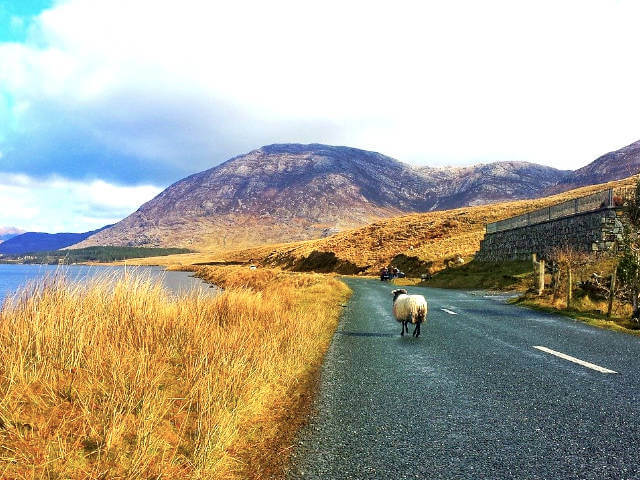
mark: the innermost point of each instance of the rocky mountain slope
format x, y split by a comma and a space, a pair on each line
611, 166
490, 183
291, 192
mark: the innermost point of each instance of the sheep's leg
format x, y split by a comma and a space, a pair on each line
402, 333
420, 319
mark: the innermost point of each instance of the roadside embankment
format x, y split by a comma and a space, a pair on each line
593, 316
104, 381
504, 276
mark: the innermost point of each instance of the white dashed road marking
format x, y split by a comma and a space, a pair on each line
564, 356
448, 311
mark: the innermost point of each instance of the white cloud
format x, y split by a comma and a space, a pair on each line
187, 84
57, 204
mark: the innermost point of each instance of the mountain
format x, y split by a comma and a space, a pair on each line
610, 166
288, 192
490, 183
37, 242
8, 232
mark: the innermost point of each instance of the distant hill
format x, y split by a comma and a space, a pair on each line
91, 254
9, 232
291, 192
610, 166
37, 242
490, 183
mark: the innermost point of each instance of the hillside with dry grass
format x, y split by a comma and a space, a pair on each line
429, 238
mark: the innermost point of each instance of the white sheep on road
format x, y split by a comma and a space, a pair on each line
409, 308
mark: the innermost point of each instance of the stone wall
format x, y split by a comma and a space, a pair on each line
588, 232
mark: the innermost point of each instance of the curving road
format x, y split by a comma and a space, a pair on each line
472, 397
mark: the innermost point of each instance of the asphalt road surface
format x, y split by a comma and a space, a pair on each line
472, 397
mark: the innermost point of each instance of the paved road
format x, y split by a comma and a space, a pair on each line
471, 398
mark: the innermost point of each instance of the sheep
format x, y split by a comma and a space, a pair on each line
409, 308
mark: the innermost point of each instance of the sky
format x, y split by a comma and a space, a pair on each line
104, 104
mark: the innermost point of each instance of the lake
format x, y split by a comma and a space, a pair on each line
12, 277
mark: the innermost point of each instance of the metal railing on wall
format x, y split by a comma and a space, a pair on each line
589, 203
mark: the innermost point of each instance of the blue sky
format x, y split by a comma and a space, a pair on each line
105, 103
17, 15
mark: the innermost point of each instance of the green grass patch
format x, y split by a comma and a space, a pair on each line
516, 275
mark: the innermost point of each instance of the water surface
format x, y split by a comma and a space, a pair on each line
12, 277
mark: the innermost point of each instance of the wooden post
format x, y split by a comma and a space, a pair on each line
555, 280
569, 287
612, 291
540, 277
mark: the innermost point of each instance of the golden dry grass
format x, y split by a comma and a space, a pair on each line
117, 378
175, 261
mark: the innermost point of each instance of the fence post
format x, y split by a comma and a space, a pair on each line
540, 276
610, 197
612, 291
569, 286
549, 208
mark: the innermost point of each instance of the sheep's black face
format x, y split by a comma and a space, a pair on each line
397, 293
